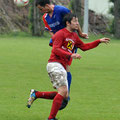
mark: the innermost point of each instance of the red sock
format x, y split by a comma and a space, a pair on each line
46, 95
57, 101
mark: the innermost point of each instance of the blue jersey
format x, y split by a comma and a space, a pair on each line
55, 23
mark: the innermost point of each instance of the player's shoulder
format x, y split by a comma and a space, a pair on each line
76, 36
60, 8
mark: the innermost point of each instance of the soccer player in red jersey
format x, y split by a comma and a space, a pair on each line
63, 44
53, 21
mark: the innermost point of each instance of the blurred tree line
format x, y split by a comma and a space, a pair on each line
115, 11
35, 16
37, 26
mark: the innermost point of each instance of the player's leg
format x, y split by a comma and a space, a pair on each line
38, 94
69, 79
58, 76
57, 101
69, 76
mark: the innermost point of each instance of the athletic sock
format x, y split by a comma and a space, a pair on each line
45, 95
57, 101
69, 79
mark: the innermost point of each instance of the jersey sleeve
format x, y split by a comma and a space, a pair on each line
86, 46
58, 39
47, 27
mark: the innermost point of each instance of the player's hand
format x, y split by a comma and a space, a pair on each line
84, 35
76, 56
105, 40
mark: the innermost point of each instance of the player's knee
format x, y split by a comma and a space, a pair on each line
68, 68
63, 91
67, 95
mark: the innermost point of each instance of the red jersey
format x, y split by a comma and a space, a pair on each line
63, 45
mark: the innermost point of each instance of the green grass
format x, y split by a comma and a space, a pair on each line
95, 90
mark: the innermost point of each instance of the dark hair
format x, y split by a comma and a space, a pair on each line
42, 2
68, 17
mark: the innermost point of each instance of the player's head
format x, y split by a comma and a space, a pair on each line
71, 21
43, 5
42, 2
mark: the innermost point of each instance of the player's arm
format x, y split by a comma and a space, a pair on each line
102, 40
58, 39
51, 33
80, 33
86, 46
47, 27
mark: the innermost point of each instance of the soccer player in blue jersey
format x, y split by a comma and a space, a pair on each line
53, 20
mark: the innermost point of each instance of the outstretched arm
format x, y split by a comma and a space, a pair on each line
86, 46
78, 56
81, 34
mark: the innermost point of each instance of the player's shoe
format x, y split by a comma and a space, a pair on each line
31, 98
52, 119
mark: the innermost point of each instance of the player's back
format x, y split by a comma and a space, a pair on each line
55, 23
64, 41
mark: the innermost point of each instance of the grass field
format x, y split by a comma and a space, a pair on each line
95, 90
